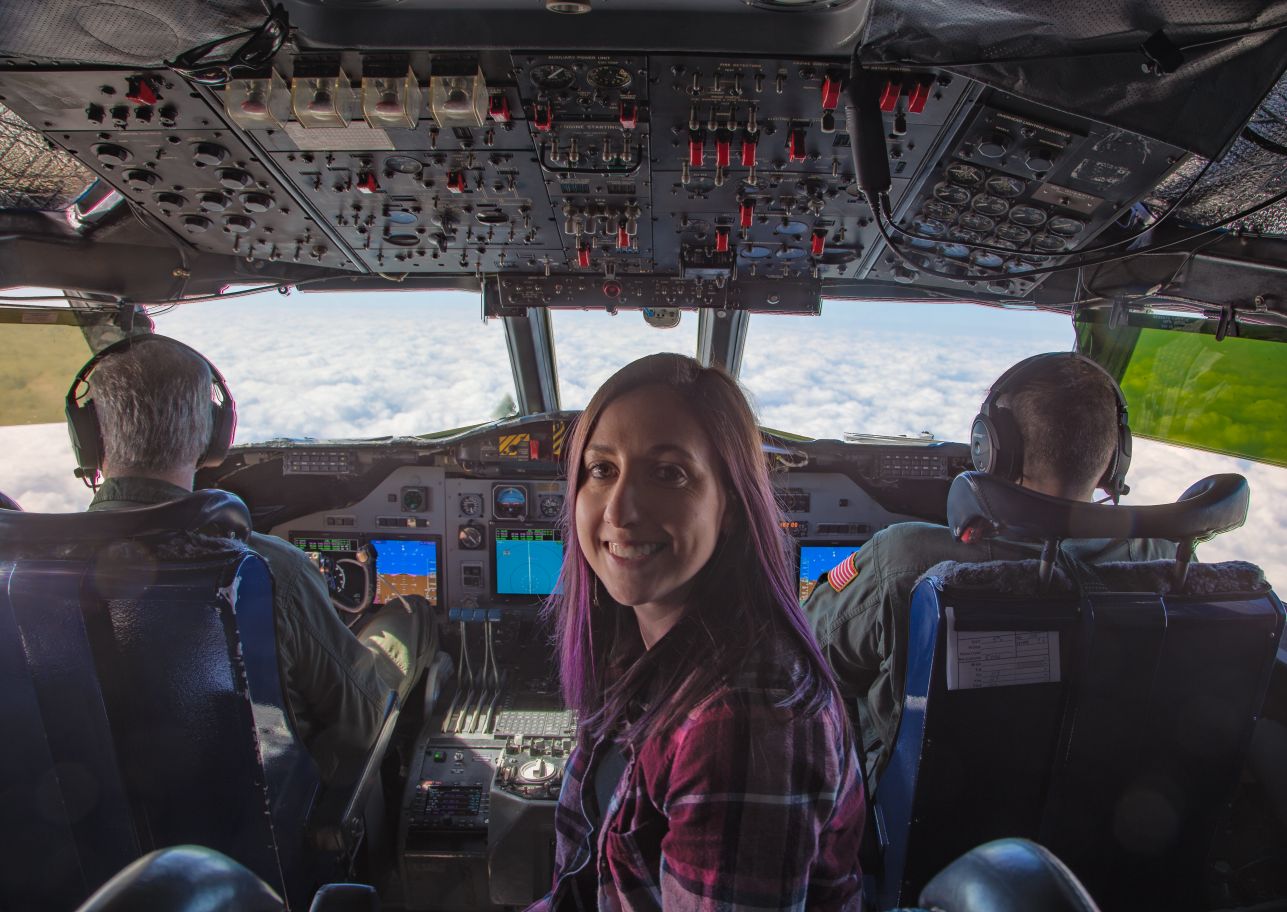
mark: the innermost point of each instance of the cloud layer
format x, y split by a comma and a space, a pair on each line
366, 366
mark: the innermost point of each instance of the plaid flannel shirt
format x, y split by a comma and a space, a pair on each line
744, 806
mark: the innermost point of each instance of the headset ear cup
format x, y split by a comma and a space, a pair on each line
223, 427
86, 438
1008, 458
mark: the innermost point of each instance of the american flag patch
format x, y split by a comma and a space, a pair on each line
843, 573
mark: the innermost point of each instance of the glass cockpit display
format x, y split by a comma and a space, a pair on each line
336, 556
817, 559
405, 566
527, 560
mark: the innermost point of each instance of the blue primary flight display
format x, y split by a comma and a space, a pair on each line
816, 560
405, 567
527, 561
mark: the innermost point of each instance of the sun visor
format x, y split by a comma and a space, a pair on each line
1182, 386
1200, 106
44, 347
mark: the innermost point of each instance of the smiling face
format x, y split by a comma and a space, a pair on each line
650, 504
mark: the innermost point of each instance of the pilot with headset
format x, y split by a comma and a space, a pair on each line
1055, 423
146, 412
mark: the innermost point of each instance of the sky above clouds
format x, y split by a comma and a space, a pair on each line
344, 365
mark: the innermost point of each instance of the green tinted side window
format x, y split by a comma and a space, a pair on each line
39, 362
1184, 387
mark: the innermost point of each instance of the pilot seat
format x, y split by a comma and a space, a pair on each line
141, 705
1104, 712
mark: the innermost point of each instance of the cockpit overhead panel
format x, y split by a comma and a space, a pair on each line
597, 179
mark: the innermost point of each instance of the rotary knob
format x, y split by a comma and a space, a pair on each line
234, 178
213, 202
257, 202
169, 200
537, 771
1040, 158
111, 154
140, 180
208, 154
994, 146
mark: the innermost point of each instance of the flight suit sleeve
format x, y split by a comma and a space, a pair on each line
855, 629
336, 694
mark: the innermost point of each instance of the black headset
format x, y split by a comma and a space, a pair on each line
996, 443
87, 435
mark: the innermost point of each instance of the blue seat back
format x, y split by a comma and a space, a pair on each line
141, 707
1111, 728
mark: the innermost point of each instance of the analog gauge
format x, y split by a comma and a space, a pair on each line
1064, 226
402, 164
952, 194
470, 536
337, 579
986, 259
551, 76
471, 505
1033, 259
402, 217
956, 251
790, 253
1048, 243
697, 230
608, 77
937, 209
925, 232
1005, 186
401, 239
976, 222
963, 174
1013, 234
1017, 265
1028, 216
754, 252
959, 242
793, 229
550, 505
509, 502
992, 206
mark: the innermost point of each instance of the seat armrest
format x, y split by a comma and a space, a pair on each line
1007, 875
336, 822
345, 897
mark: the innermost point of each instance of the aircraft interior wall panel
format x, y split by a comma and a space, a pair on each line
382, 510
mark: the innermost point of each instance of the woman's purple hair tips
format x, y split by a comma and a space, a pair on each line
748, 590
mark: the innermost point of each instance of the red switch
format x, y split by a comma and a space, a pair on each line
830, 93
889, 97
623, 238
696, 149
749, 147
542, 117
367, 183
819, 242
722, 152
534, 448
795, 144
628, 114
721, 238
456, 181
139, 90
498, 108
745, 213
917, 97
583, 256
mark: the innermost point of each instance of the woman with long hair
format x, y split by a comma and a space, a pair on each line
715, 767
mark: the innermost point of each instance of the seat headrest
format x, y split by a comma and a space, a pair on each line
184, 878
981, 506
8, 503
1008, 875
212, 512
